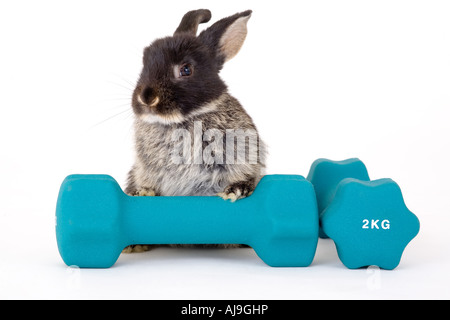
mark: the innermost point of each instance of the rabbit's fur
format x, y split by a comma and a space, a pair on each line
180, 95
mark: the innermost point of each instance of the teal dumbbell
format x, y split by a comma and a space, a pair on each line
95, 220
368, 220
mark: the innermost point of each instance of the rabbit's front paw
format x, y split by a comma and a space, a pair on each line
237, 191
144, 192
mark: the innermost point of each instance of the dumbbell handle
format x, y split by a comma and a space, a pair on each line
192, 220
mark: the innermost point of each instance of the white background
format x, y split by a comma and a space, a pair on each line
334, 79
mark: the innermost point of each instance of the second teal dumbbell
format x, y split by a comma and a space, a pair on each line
368, 220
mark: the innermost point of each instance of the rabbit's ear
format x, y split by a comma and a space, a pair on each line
227, 36
191, 20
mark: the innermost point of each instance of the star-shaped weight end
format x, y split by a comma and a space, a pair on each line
369, 223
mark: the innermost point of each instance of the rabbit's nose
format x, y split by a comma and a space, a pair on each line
148, 97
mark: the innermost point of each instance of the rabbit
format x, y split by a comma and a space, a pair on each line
182, 106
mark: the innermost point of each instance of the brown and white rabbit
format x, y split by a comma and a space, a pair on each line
182, 106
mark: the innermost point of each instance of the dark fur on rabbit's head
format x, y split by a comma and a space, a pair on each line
180, 75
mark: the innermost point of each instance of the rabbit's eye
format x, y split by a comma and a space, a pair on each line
186, 70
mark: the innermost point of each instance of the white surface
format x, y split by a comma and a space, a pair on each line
333, 79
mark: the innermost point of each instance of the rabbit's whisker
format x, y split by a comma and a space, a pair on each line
112, 117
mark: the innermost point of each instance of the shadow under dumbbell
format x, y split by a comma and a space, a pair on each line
326, 253
165, 255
